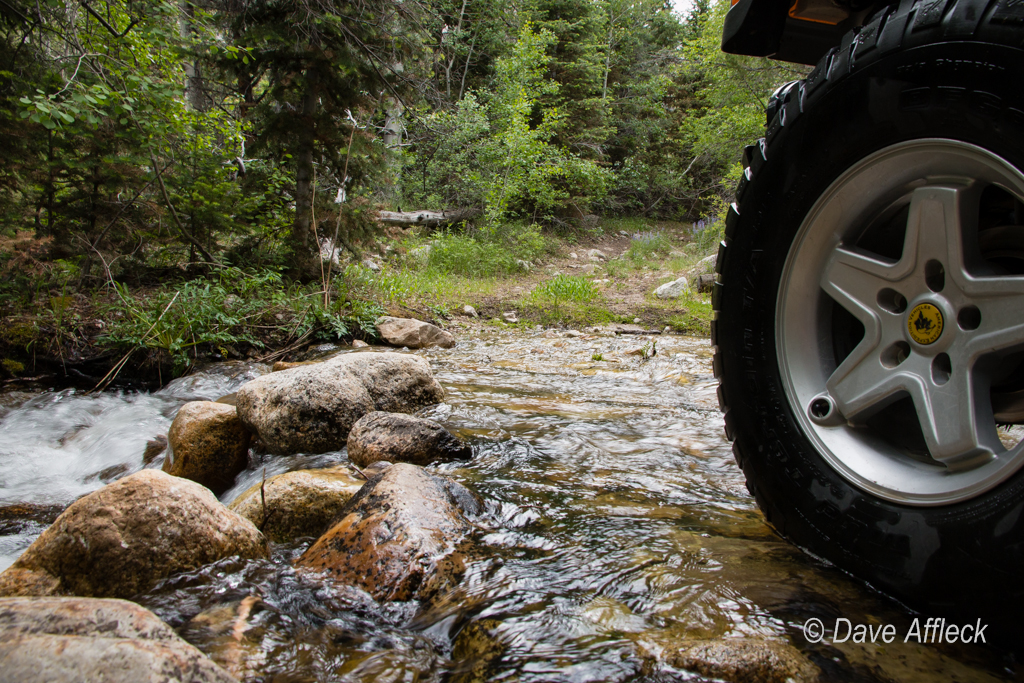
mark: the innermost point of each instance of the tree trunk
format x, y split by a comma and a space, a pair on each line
302, 234
195, 88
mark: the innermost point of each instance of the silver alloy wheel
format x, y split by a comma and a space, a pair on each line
935, 322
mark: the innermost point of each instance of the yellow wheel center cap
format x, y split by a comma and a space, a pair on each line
925, 324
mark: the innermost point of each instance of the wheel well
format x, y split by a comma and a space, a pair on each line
800, 31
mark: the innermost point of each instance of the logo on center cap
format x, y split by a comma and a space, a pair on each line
925, 323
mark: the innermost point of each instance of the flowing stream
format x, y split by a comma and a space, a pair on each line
617, 527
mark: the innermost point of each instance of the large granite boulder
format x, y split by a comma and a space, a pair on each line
209, 445
398, 538
122, 539
311, 409
60, 640
672, 290
412, 333
299, 503
394, 437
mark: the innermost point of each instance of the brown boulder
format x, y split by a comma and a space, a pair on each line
209, 445
312, 408
122, 539
414, 334
299, 503
60, 640
394, 437
397, 538
23, 582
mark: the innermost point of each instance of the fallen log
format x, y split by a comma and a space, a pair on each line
428, 218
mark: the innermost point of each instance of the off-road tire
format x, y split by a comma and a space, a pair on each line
941, 69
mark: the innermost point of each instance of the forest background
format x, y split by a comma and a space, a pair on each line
195, 178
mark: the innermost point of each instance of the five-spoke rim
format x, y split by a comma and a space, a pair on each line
935, 322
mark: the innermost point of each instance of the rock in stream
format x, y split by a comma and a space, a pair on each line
298, 503
65, 640
311, 409
397, 539
394, 437
413, 334
124, 538
209, 445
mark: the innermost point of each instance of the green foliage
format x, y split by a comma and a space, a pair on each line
566, 288
495, 148
12, 367
229, 309
153, 139
197, 312
707, 233
648, 350
486, 253
734, 90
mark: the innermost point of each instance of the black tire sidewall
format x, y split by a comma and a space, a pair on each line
957, 559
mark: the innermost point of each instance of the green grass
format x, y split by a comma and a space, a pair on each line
647, 246
487, 253
569, 314
566, 288
629, 224
399, 285
695, 316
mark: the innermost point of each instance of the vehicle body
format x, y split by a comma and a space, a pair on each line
802, 32
869, 335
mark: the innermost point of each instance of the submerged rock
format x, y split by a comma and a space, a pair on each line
209, 445
58, 640
17, 518
122, 539
395, 437
475, 651
397, 539
311, 409
414, 334
744, 660
224, 631
299, 503
154, 447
